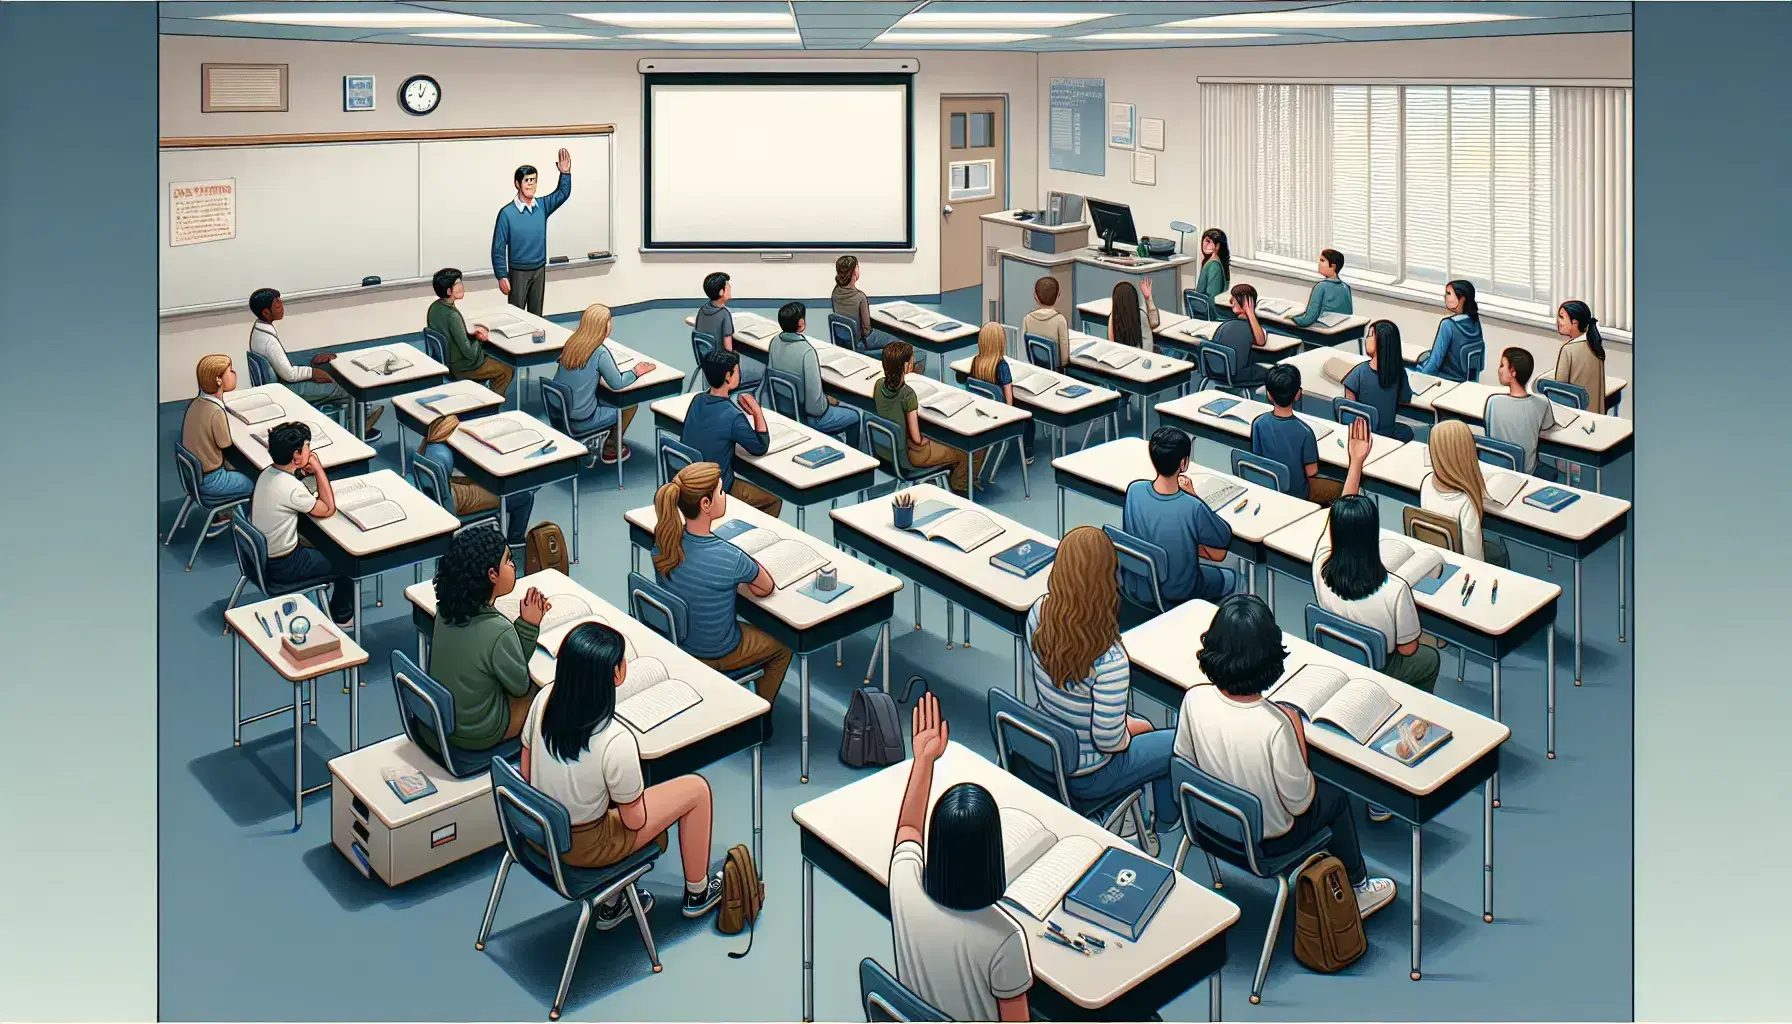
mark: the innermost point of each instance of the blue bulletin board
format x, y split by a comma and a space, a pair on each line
1079, 125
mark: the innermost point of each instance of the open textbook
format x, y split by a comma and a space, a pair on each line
380, 361
1041, 868
1275, 307
1216, 492
365, 505
843, 362
944, 400
786, 558
915, 316
448, 405
319, 439
1502, 485
1200, 330
963, 528
756, 327
566, 612
1361, 708
783, 435
1322, 429
1106, 353
1331, 319
502, 435
253, 409
507, 324
1410, 562
1034, 381
649, 696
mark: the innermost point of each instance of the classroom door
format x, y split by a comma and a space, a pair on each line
973, 182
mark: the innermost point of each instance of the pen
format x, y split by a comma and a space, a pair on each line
264, 625
1092, 940
1466, 580
1494, 596
1258, 509
1242, 502
1062, 941
277, 624
1468, 596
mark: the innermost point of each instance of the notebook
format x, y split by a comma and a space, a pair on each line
448, 405
380, 361
1121, 892
1331, 319
1025, 559
1216, 492
1201, 330
649, 697
939, 398
1551, 499
785, 558
1034, 382
365, 505
843, 362
1337, 368
501, 434
748, 325
783, 436
1502, 485
1106, 353
964, 528
1422, 382
1359, 708
1041, 868
815, 458
507, 324
253, 409
1275, 307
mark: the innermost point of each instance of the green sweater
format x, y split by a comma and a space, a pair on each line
1212, 282
465, 353
482, 664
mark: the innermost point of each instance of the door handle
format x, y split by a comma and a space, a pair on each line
947, 211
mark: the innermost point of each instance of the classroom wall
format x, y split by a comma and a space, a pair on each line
1162, 83
509, 88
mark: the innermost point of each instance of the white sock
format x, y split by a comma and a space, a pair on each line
697, 888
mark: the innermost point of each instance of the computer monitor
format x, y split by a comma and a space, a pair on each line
1112, 223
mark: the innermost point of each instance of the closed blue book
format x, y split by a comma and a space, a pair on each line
1073, 391
1551, 499
819, 456
1121, 892
1024, 559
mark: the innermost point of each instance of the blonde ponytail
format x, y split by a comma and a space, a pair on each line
677, 500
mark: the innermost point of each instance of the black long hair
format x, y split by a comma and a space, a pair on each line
1242, 652
1221, 252
463, 583
1353, 570
966, 868
1581, 315
1465, 290
584, 695
1124, 315
1390, 369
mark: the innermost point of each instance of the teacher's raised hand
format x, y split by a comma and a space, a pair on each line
565, 164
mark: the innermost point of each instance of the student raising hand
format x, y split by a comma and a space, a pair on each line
930, 731
1360, 445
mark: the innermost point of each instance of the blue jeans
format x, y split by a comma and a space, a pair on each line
224, 485
836, 420
517, 507
305, 564
603, 419
875, 341
318, 393
1145, 760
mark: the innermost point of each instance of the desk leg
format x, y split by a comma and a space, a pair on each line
1577, 622
799, 518
504, 519
354, 688
917, 587
1418, 897
885, 636
1026, 484
1552, 690
1020, 656
1269, 586
1495, 781
951, 623
1487, 854
1598, 480
422, 651
1250, 576
298, 758
634, 558
758, 806
808, 940
1060, 512
1623, 596
1213, 996
236, 690
803, 677
575, 519
967, 629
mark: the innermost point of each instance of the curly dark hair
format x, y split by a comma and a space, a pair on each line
462, 584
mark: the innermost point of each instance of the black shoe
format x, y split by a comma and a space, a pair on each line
613, 913
698, 904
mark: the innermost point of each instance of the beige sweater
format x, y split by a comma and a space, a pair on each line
1576, 364
1049, 323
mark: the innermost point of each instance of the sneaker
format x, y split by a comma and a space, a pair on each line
1373, 894
698, 904
218, 528
609, 458
617, 910
374, 412
1379, 814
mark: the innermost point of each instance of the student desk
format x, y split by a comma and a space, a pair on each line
530, 468
1186, 335
1233, 429
1163, 652
1491, 629
1611, 439
521, 353
731, 718
356, 553
1051, 406
1351, 328
939, 343
1574, 532
778, 471
664, 382
961, 577
346, 455
254, 623
794, 619
1097, 311
1150, 374
1315, 385
764, 327
365, 386
412, 413
1413, 351
851, 833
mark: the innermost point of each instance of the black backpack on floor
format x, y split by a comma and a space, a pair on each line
872, 734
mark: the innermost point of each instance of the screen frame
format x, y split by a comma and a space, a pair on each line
795, 78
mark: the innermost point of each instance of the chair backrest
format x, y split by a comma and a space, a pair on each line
886, 442
1473, 356
785, 391
425, 708
431, 477
887, 999
1262, 470
532, 825
1362, 644
658, 608
1563, 393
983, 389
1140, 565
1441, 531
251, 549
1496, 452
1215, 362
1042, 743
260, 370
1347, 411
1219, 808
702, 344
673, 454
1042, 352
435, 346
556, 401
186, 467
1197, 305
843, 331
1011, 339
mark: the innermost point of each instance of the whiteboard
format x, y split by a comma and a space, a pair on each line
307, 218
463, 185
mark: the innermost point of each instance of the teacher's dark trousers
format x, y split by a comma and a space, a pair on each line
528, 288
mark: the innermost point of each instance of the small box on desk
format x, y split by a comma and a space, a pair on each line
319, 644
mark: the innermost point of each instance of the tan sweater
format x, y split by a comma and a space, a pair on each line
1576, 364
1049, 323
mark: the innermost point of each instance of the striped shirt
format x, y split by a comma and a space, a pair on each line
1094, 706
706, 579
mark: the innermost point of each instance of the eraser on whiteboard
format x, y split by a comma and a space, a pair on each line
596, 255
368, 282
559, 259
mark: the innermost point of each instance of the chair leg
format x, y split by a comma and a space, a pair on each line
180, 519
1182, 851
204, 528
634, 906
1213, 868
491, 903
1461, 661
1269, 940
241, 582
572, 957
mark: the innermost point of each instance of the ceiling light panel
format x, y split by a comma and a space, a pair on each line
995, 19
896, 38
693, 19
368, 19
1343, 19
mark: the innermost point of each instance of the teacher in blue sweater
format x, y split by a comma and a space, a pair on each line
520, 239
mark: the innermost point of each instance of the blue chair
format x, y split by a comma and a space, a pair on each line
186, 467
1227, 824
784, 393
1495, 452
1563, 393
1041, 751
260, 370
664, 612
1218, 369
885, 442
1140, 584
993, 461
431, 477
1473, 357
556, 403
671, 454
537, 833
426, 710
1365, 645
1198, 305
1042, 352
435, 346
1347, 411
1262, 471
887, 999
843, 331
702, 344
252, 564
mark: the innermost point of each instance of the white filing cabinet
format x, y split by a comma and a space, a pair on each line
388, 839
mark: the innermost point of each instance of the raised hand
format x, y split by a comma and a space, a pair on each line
565, 164
930, 731
1360, 441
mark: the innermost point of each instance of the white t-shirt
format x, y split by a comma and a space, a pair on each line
1249, 745
1390, 608
961, 962
608, 772
264, 341
1455, 505
280, 499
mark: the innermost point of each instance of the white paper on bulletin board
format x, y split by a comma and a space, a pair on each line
1151, 133
201, 211
1121, 131
1144, 168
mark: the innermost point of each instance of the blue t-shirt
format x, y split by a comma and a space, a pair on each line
1365, 384
1288, 441
1236, 334
714, 426
1004, 376
1179, 523
706, 579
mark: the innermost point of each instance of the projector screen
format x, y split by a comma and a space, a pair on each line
798, 161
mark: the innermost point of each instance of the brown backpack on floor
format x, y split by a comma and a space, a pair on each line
1328, 928
743, 894
544, 548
